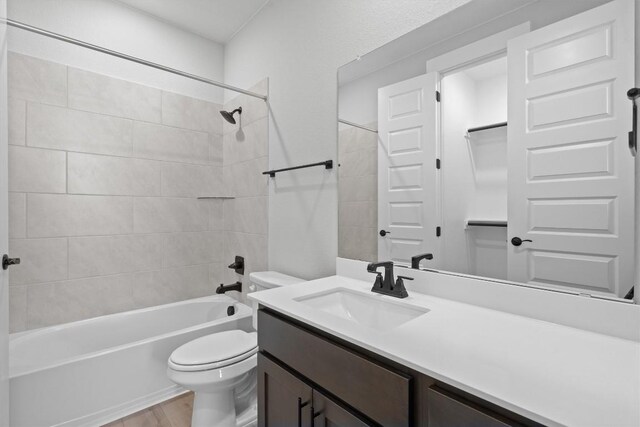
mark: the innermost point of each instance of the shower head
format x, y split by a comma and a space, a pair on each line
228, 116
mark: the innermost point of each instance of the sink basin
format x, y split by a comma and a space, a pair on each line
373, 311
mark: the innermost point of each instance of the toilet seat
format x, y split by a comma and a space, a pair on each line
214, 351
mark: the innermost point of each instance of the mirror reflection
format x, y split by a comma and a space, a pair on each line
503, 156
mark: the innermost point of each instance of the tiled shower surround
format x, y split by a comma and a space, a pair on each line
358, 194
104, 176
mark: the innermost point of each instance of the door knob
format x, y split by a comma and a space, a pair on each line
516, 241
384, 232
6, 261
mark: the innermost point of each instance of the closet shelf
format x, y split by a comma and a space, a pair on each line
215, 197
486, 223
487, 127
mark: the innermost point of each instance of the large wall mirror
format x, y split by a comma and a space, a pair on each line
497, 145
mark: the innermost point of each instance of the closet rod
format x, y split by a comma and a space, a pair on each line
479, 223
124, 56
487, 127
355, 125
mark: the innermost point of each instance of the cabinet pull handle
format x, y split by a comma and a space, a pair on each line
314, 415
300, 406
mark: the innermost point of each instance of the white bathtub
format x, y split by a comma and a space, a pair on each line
94, 371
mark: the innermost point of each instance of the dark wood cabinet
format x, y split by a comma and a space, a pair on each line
448, 410
283, 399
308, 378
286, 401
328, 413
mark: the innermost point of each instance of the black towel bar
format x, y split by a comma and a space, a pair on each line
328, 164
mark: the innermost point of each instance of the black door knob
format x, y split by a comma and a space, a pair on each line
516, 241
6, 261
384, 232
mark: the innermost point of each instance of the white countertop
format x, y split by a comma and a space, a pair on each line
552, 374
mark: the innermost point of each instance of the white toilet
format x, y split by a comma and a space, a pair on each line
220, 368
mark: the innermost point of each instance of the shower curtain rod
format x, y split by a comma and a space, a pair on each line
131, 58
355, 125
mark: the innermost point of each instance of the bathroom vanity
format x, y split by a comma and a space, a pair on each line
334, 353
306, 374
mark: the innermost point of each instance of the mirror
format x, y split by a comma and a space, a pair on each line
497, 145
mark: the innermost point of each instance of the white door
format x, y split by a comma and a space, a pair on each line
4, 218
570, 182
407, 129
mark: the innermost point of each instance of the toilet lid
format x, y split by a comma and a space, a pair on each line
215, 350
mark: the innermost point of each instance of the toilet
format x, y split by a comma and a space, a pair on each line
220, 368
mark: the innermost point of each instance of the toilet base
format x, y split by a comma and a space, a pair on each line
214, 409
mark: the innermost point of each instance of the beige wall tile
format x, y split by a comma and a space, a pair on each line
245, 179
17, 121
216, 214
170, 285
51, 215
37, 80
358, 214
184, 180
41, 260
106, 95
252, 108
17, 215
358, 188
359, 163
251, 142
191, 113
64, 129
104, 255
120, 176
192, 248
72, 300
38, 171
216, 149
160, 215
247, 215
151, 141
17, 309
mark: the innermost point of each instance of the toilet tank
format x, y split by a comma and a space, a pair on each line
264, 280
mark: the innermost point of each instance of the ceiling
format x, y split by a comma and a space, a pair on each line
217, 20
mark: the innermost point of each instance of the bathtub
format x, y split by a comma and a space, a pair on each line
94, 371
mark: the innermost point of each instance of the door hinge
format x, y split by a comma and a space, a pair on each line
438, 231
437, 163
437, 96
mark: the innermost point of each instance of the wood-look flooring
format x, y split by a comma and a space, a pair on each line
172, 413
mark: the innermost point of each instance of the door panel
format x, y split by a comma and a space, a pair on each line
571, 178
406, 168
283, 400
4, 219
327, 413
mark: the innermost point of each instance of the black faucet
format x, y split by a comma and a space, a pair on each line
415, 260
384, 285
238, 265
225, 288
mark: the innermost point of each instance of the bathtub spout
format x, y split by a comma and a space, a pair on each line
224, 288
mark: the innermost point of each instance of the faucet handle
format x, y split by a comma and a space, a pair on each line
405, 277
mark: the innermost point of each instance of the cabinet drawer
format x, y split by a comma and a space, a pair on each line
372, 389
448, 410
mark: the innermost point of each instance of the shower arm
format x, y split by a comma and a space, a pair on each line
126, 57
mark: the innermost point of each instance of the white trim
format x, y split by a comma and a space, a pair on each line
477, 51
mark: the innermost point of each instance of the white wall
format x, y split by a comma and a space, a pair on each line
115, 26
4, 282
299, 44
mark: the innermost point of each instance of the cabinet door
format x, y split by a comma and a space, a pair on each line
283, 400
447, 410
327, 413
